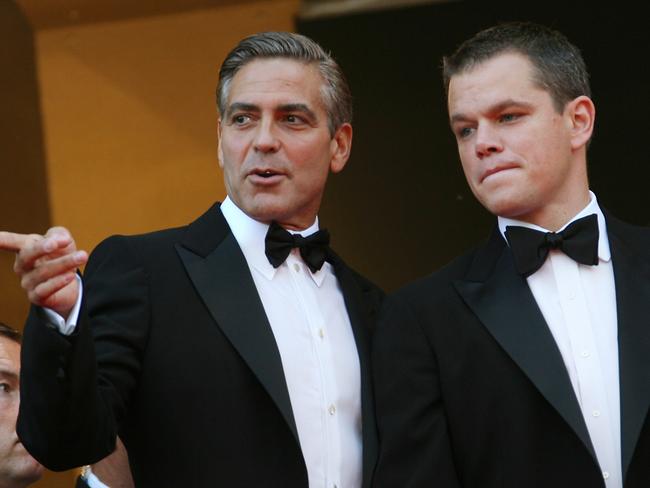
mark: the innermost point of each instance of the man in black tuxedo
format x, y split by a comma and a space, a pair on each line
217, 360
525, 363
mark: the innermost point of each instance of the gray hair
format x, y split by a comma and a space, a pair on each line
335, 91
558, 64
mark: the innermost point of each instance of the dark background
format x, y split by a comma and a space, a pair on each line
402, 207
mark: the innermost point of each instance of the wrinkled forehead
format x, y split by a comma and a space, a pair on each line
276, 74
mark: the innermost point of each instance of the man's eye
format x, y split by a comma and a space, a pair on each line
240, 119
508, 117
294, 119
5, 388
464, 132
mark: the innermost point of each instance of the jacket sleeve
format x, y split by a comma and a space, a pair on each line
75, 390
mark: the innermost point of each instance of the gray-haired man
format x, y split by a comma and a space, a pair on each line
219, 361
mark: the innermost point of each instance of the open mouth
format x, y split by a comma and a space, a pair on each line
265, 176
266, 173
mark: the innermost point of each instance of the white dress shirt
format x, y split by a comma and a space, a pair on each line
310, 323
91, 479
578, 303
317, 347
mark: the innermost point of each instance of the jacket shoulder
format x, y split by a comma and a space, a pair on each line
636, 236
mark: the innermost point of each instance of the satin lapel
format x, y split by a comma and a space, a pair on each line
357, 306
223, 280
632, 278
503, 302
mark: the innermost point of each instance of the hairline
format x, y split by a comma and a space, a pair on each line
323, 89
537, 77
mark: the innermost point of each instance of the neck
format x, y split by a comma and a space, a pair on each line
554, 217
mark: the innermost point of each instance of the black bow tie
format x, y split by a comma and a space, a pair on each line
314, 249
530, 247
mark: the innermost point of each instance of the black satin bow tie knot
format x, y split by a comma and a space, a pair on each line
314, 249
530, 247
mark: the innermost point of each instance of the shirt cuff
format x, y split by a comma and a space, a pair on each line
66, 327
91, 480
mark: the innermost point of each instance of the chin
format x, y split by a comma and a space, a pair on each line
503, 206
33, 470
26, 471
265, 214
264, 206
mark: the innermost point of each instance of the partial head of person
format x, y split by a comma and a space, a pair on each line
17, 467
285, 124
519, 105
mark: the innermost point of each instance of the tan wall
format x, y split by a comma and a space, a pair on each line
129, 122
130, 116
23, 192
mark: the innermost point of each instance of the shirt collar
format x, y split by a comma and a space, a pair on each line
250, 234
592, 207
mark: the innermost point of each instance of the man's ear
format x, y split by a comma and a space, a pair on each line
341, 145
581, 114
219, 149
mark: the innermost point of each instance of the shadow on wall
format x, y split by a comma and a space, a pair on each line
24, 205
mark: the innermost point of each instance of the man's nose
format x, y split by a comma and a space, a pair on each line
488, 141
266, 140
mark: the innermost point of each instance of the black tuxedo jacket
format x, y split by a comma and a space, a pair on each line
471, 389
173, 352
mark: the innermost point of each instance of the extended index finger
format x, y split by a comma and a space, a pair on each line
10, 241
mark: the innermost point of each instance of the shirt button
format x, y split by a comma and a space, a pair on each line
571, 295
596, 413
332, 409
321, 333
296, 267
585, 354
605, 475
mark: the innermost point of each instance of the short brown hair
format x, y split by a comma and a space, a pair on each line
558, 65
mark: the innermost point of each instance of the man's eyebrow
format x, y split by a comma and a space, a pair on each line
509, 103
458, 118
7, 373
496, 108
242, 107
298, 107
287, 107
